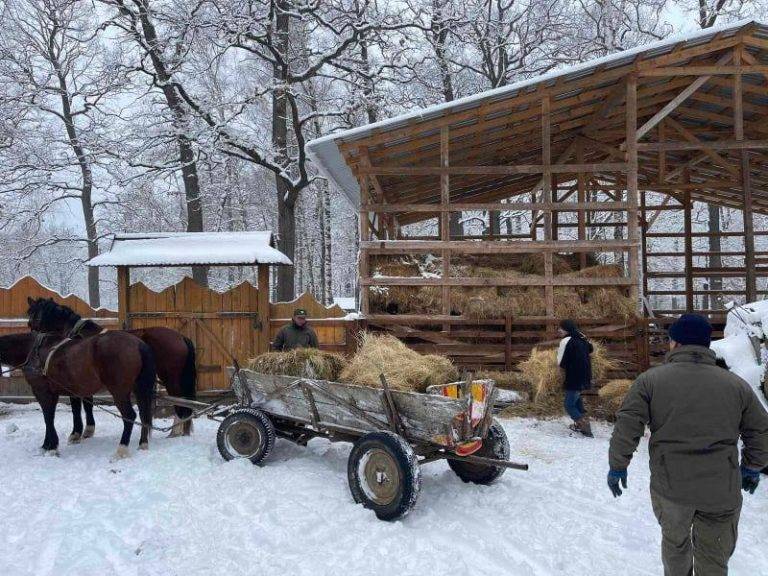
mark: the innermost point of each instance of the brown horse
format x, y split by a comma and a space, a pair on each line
14, 351
174, 353
117, 361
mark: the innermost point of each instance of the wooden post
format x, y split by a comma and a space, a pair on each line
445, 218
546, 160
123, 296
644, 242
365, 235
262, 309
581, 197
632, 224
746, 184
688, 223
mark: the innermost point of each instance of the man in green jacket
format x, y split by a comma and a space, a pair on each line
696, 412
297, 334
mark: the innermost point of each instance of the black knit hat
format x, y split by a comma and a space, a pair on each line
691, 329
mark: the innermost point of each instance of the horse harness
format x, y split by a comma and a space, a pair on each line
35, 362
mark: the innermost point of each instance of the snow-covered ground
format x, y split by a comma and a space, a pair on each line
179, 509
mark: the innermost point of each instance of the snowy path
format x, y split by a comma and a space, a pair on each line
180, 510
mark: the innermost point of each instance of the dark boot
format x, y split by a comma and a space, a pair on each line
585, 427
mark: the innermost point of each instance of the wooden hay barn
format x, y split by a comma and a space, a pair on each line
599, 163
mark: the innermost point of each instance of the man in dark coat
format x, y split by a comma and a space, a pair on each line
573, 356
696, 412
297, 334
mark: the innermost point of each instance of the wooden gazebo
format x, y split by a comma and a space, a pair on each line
592, 155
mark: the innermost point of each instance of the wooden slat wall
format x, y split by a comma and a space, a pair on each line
13, 305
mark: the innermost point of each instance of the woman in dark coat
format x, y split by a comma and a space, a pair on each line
573, 356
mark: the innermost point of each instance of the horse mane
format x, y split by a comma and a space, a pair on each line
52, 313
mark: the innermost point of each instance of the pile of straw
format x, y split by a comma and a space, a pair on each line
613, 393
542, 371
403, 368
304, 362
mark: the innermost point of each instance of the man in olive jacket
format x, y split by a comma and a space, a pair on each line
297, 334
696, 412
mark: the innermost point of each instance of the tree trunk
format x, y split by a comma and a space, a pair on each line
86, 174
286, 205
183, 143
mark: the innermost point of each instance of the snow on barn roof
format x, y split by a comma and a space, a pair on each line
326, 153
191, 248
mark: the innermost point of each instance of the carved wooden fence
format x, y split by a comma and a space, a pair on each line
223, 325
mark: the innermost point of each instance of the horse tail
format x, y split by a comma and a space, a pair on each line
188, 379
145, 381
145, 388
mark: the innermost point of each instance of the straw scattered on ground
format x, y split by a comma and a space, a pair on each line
403, 368
302, 362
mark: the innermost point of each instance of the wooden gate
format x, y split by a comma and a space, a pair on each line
223, 325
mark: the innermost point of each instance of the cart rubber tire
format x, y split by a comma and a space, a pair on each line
495, 445
246, 433
384, 474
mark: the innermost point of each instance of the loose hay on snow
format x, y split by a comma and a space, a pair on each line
306, 362
403, 368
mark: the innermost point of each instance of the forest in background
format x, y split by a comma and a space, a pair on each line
173, 115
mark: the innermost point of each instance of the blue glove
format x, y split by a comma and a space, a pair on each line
749, 479
614, 477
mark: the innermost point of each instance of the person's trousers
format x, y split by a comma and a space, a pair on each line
693, 541
574, 405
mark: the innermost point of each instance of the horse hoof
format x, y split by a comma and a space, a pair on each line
51, 452
121, 453
74, 438
144, 446
88, 432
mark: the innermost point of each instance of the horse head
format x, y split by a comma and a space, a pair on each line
46, 315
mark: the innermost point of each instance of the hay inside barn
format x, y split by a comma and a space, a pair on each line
498, 301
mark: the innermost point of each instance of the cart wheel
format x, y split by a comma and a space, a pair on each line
384, 474
495, 445
246, 433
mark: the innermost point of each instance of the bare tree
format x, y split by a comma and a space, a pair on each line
162, 54
51, 57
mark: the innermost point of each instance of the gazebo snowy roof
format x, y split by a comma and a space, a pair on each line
191, 248
493, 127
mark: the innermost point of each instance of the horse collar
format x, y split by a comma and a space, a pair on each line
76, 328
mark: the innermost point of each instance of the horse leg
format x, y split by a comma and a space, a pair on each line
77, 421
144, 401
129, 417
90, 423
51, 442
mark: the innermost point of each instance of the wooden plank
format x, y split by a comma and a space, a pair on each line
480, 247
703, 70
676, 101
491, 170
632, 215
500, 206
123, 296
519, 281
701, 145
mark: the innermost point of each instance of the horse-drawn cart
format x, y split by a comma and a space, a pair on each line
393, 432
